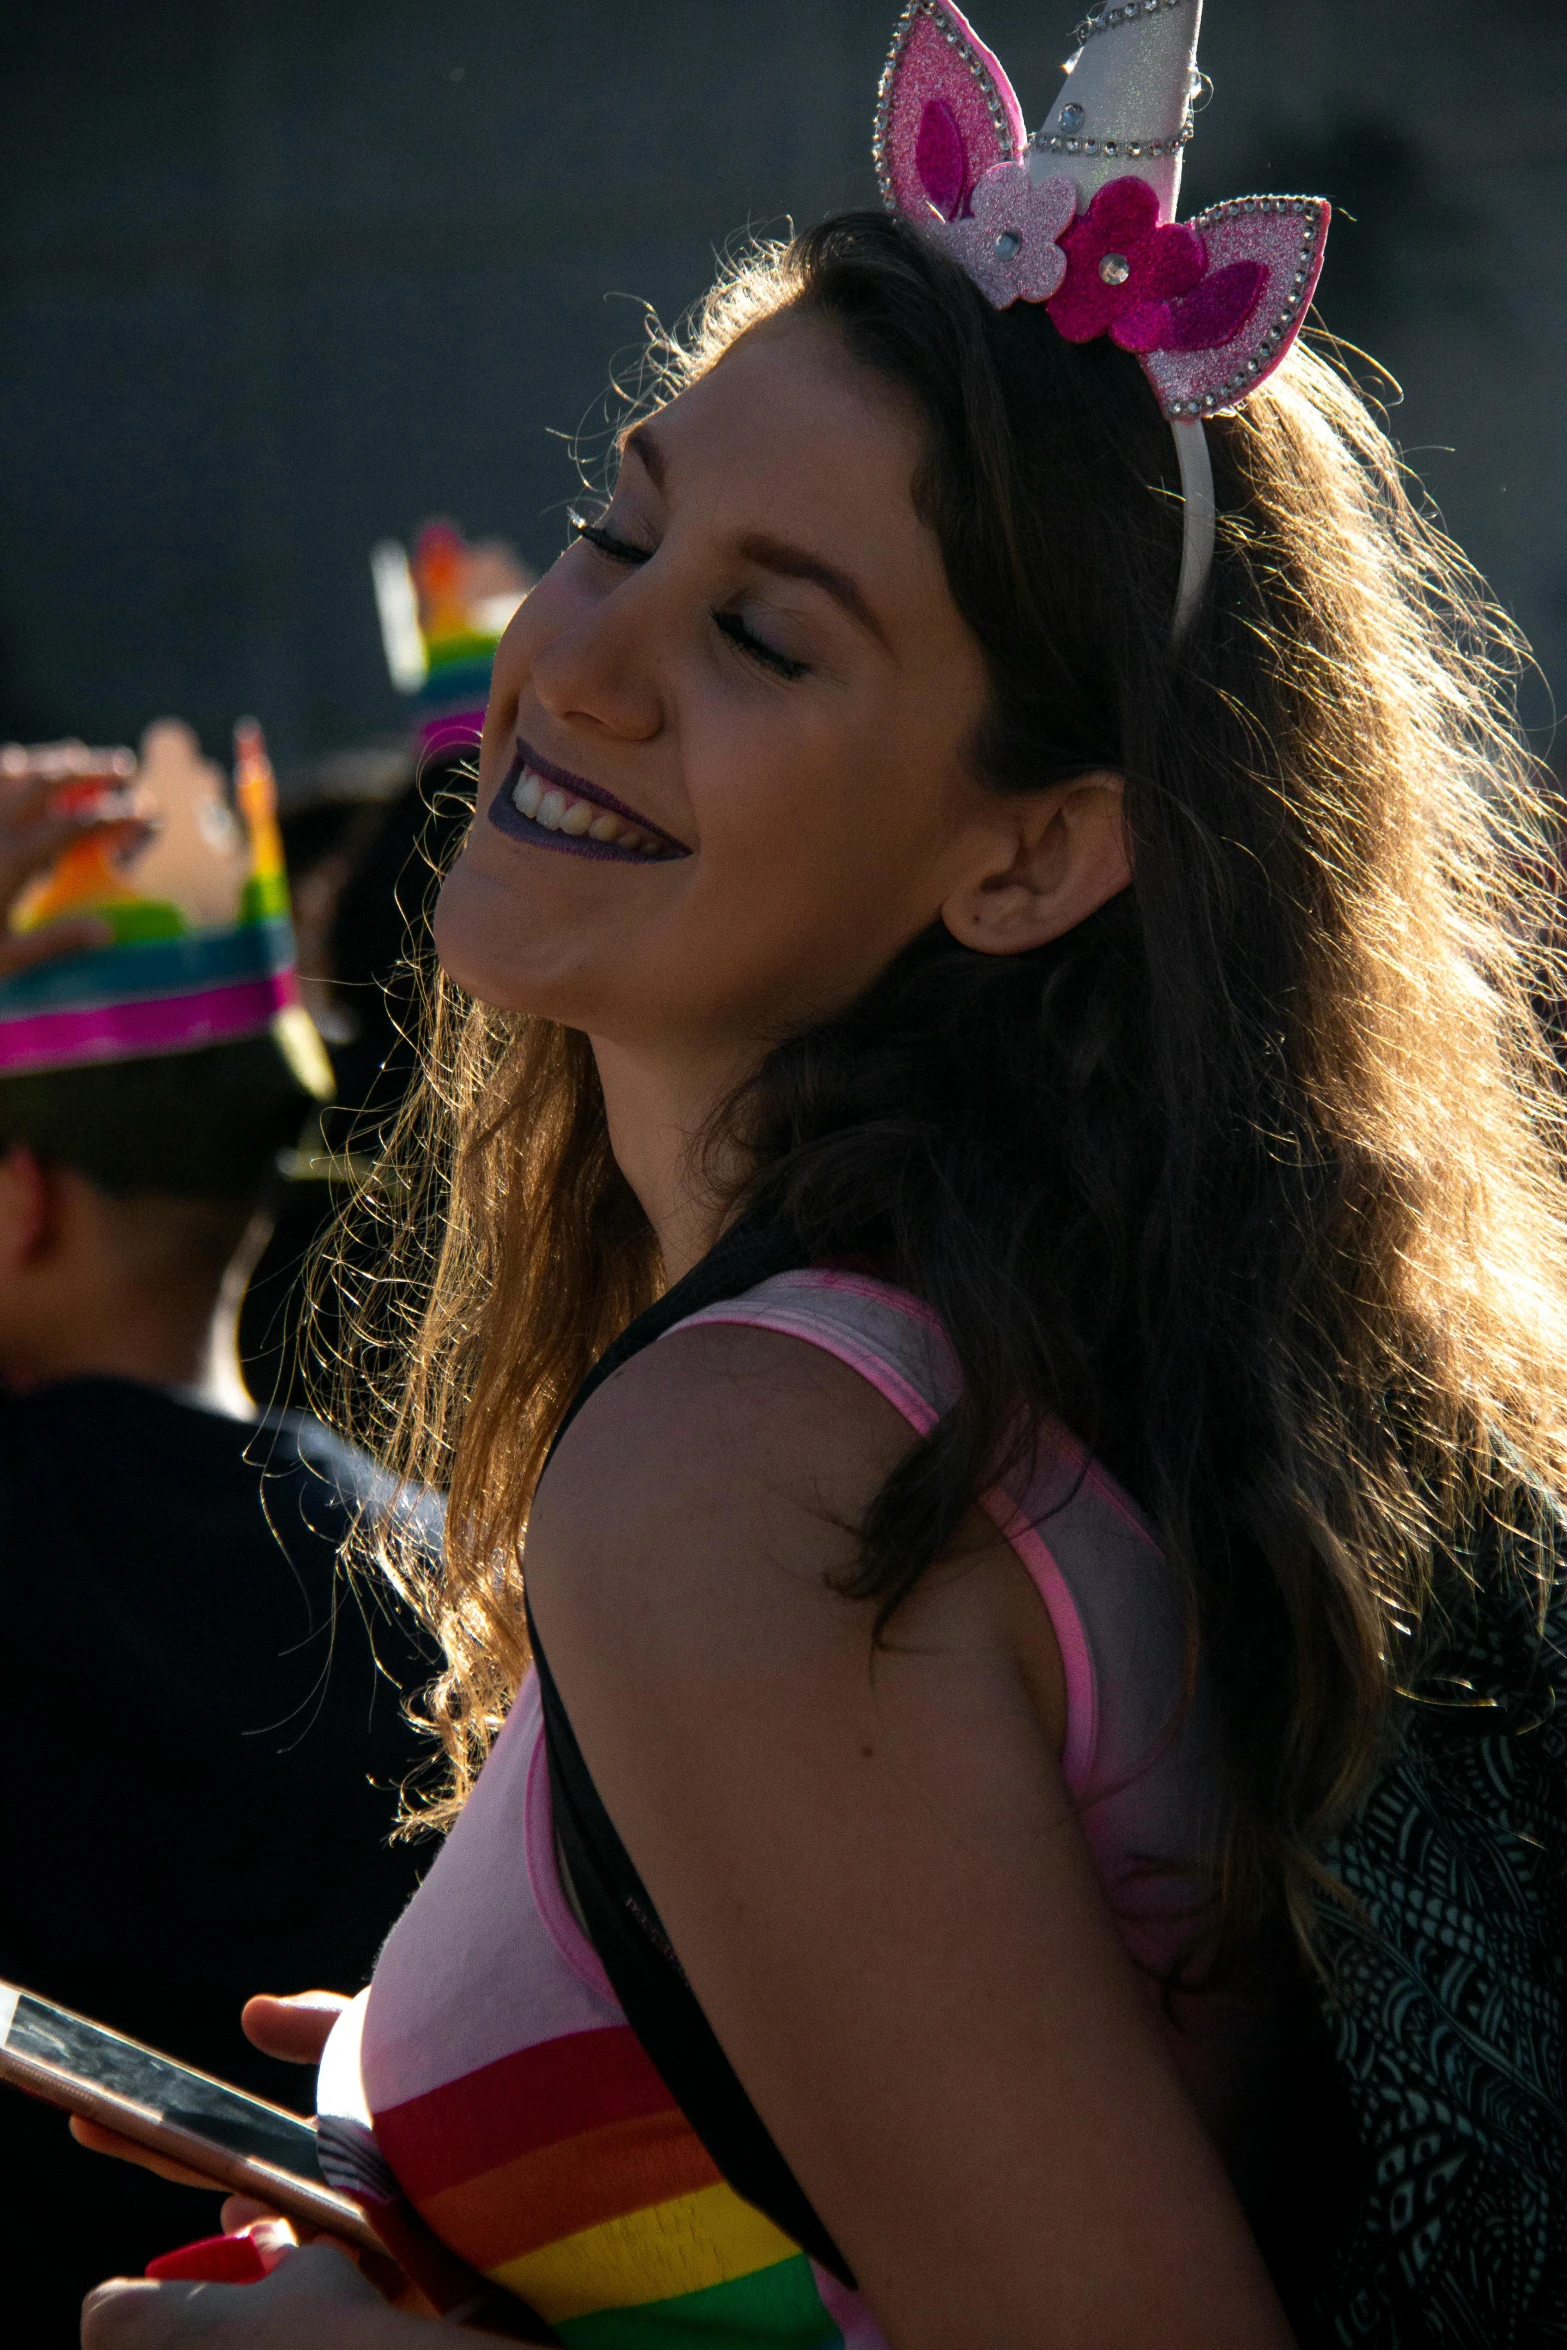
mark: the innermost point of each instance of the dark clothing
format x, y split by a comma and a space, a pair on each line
205, 1743
1446, 1984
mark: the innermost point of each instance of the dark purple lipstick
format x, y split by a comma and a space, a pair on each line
551, 808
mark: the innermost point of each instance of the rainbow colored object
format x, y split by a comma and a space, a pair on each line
460, 656
442, 616
202, 951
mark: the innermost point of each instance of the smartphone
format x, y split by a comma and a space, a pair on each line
238, 2141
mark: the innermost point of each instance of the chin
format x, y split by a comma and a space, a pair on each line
509, 953
474, 921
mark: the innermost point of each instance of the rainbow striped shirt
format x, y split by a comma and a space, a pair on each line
520, 2119
501, 2102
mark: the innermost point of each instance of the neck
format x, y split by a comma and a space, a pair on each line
160, 1343
182, 1337
658, 1106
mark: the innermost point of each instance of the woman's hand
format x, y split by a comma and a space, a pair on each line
315, 2299
294, 2028
35, 827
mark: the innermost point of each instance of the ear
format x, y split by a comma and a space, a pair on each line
28, 1208
1229, 334
946, 114
1055, 860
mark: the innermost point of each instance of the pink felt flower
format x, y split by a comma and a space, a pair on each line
1123, 271
1009, 243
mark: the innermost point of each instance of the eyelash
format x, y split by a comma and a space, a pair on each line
728, 624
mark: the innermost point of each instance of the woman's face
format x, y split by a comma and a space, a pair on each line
723, 778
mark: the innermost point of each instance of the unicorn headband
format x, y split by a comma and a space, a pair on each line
1082, 217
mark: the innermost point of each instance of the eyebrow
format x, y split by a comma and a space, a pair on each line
642, 444
771, 554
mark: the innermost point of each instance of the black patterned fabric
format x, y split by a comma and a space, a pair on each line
1446, 2000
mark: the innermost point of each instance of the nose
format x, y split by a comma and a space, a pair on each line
596, 672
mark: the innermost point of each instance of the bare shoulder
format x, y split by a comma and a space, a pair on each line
869, 1863
725, 1410
718, 1445
721, 1399
691, 1542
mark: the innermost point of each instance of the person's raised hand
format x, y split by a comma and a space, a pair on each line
41, 814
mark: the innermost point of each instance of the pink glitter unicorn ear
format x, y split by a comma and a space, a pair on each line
1082, 217
949, 156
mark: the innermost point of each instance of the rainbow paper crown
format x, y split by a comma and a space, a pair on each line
202, 951
442, 616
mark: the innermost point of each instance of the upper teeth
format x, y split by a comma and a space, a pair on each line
562, 811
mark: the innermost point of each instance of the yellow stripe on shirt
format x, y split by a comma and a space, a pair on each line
656, 2254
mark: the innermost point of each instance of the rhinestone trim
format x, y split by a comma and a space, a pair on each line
1137, 149
1304, 208
966, 53
1068, 138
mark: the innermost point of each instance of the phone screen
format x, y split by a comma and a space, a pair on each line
102, 2059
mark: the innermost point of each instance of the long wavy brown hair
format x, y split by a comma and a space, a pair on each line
1253, 1180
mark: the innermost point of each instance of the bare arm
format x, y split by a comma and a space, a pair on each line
871, 1870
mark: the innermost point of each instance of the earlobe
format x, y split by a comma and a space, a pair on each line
1068, 857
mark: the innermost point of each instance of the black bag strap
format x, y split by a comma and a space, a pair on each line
751, 1251
622, 1923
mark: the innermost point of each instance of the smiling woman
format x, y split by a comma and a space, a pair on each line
1001, 1245
1002, 1038
716, 683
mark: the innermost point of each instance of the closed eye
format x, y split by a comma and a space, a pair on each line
731, 625
728, 624
619, 550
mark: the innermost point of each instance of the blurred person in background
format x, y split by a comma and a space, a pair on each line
212, 1726
363, 866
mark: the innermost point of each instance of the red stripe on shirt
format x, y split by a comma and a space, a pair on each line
532, 2098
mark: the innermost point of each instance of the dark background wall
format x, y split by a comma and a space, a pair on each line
278, 278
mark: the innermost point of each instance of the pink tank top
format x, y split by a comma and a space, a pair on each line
486, 2096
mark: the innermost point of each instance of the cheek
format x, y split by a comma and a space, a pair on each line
852, 800
818, 864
